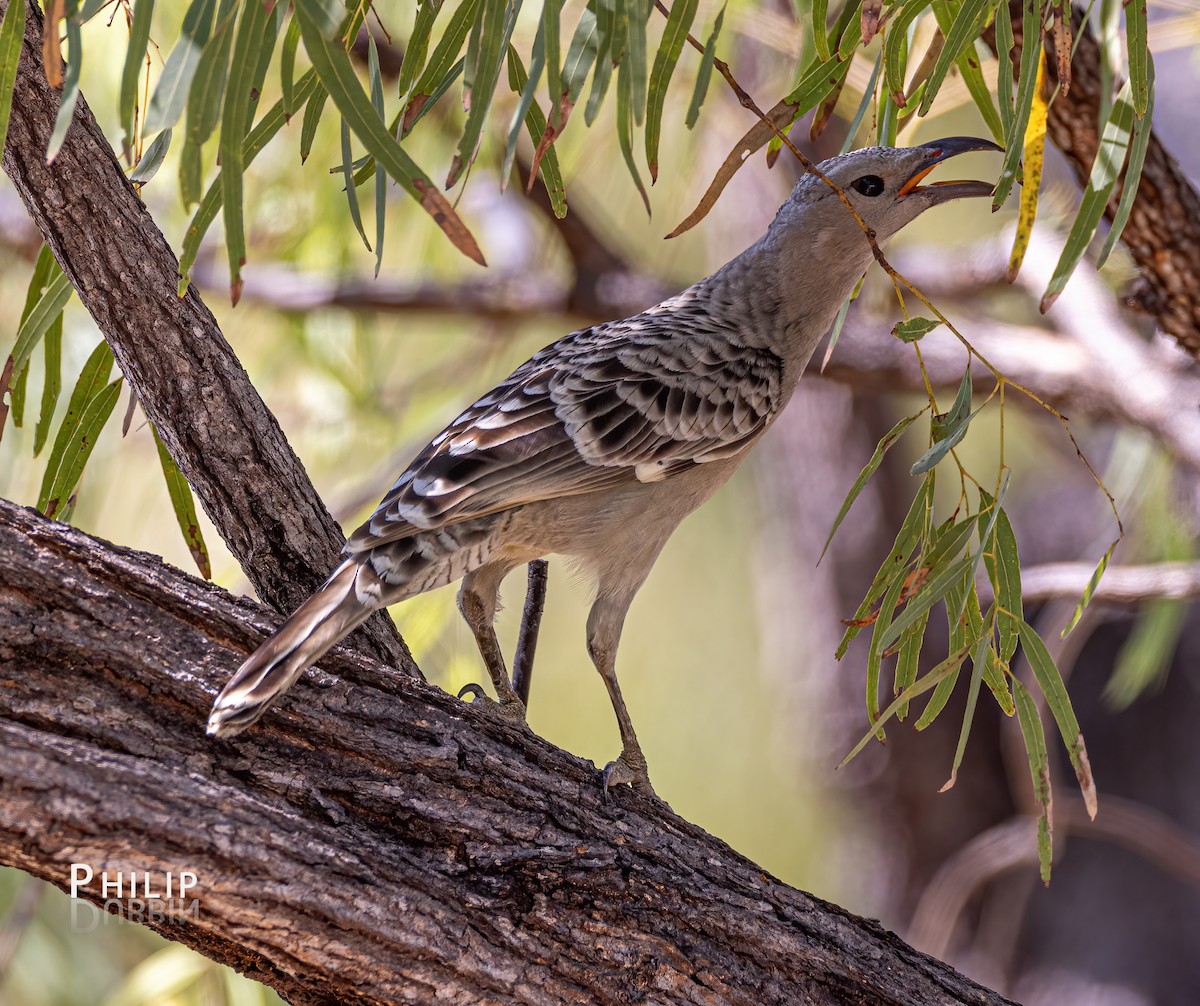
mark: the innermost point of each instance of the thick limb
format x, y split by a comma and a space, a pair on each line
477, 600
605, 622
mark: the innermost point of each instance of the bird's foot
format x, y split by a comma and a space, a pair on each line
510, 707
629, 768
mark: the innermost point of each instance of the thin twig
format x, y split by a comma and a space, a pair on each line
531, 622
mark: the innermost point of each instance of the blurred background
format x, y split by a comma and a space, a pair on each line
727, 662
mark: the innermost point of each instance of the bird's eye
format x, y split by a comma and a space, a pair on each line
868, 185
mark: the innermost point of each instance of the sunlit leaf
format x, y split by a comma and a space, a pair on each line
1051, 683
51, 385
287, 67
495, 27
12, 34
1004, 76
184, 506
581, 54
868, 470
704, 74
895, 45
679, 23
325, 15
1039, 770
820, 15
205, 100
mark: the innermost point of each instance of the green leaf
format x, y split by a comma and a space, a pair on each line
1039, 770
1133, 174
945, 688
70, 92
1139, 55
625, 128
287, 67
535, 122
135, 57
606, 36
1110, 156
52, 384
445, 55
964, 28
170, 94
635, 14
253, 35
914, 329
883, 620
580, 57
895, 43
90, 405
210, 205
56, 290
679, 23
185, 508
1051, 683
12, 34
979, 661
820, 15
417, 50
334, 69
868, 99
864, 476
380, 178
935, 677
351, 192
526, 92
152, 159
204, 103
552, 42
1014, 137
1089, 590
912, 530
326, 16
972, 74
1004, 571
414, 114
988, 513
312, 116
948, 430
496, 28
908, 659
704, 75
1004, 78
938, 585
945, 543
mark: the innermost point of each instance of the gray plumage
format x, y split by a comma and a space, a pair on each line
601, 443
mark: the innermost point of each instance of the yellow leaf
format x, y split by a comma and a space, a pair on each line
1035, 154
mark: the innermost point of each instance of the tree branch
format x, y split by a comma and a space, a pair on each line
373, 839
170, 349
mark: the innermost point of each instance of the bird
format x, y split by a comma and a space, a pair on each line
602, 442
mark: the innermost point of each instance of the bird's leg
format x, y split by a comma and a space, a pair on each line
477, 602
604, 633
531, 623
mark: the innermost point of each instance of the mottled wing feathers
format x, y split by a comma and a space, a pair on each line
622, 402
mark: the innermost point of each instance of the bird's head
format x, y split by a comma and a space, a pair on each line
884, 185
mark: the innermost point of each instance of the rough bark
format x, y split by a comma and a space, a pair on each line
373, 840
170, 349
1163, 232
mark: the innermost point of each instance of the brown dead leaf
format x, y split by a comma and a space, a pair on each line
438, 207
1062, 45
869, 21
52, 44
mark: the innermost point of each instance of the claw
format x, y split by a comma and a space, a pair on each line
629, 768
511, 709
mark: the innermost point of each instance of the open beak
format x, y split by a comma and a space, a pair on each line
941, 150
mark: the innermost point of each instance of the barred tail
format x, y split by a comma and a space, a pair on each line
326, 617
